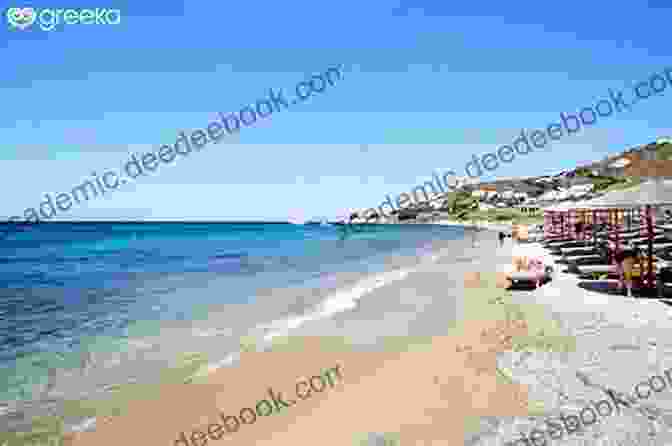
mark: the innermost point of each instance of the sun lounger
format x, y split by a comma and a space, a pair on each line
530, 277
656, 246
557, 242
575, 265
561, 241
627, 234
531, 265
639, 239
659, 241
638, 270
586, 261
591, 259
576, 244
578, 251
663, 253
590, 269
583, 259
521, 276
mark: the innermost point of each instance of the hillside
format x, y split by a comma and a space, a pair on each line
510, 199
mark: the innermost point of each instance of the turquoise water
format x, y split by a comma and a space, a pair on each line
67, 288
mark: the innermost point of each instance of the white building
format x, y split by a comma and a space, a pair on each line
580, 190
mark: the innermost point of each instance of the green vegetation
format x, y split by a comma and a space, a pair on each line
664, 151
503, 215
605, 183
464, 207
629, 182
583, 172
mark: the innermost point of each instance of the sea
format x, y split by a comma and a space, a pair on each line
77, 299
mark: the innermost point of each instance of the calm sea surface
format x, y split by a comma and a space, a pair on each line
64, 284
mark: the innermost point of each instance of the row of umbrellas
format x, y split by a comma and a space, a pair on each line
651, 194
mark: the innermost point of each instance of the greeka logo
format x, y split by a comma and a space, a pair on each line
21, 18
48, 19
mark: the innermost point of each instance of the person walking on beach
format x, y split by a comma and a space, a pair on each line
474, 236
502, 236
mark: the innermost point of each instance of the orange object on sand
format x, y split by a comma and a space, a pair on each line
522, 232
520, 263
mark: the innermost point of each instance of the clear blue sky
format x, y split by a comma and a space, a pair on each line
426, 85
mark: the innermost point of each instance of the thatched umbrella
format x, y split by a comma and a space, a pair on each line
567, 213
650, 194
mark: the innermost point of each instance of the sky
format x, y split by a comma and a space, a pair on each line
425, 86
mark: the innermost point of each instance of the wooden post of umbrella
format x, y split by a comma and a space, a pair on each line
617, 237
649, 230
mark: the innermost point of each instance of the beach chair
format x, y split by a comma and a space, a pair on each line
595, 271
663, 279
581, 251
599, 247
634, 270
639, 239
592, 259
663, 253
656, 246
557, 251
555, 244
531, 269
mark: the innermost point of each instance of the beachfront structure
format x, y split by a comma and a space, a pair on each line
560, 221
618, 208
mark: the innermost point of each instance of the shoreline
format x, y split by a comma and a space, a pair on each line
430, 316
350, 342
419, 321
342, 298
366, 305
480, 224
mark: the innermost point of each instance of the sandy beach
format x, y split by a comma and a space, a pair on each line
481, 224
409, 359
441, 356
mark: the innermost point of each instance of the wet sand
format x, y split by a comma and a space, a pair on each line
419, 362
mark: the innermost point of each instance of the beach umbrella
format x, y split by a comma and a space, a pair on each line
652, 193
567, 212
